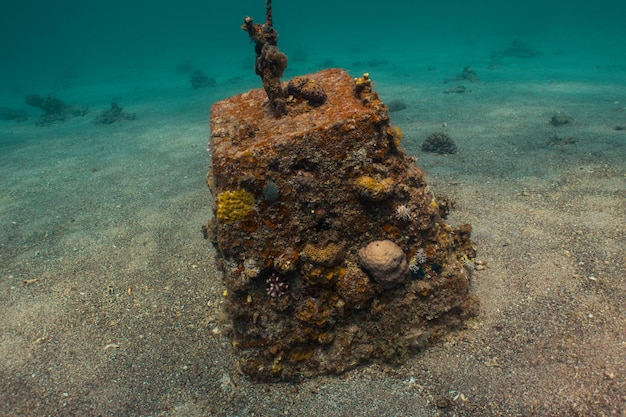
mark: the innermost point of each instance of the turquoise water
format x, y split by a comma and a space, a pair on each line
51, 46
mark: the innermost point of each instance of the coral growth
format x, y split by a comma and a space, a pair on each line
373, 189
233, 206
270, 63
275, 286
54, 110
516, 49
385, 262
199, 80
363, 85
468, 74
114, 114
439, 143
397, 135
328, 255
560, 119
313, 242
308, 89
403, 213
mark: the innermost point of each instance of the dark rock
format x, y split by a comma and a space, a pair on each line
49, 104
199, 80
468, 74
517, 49
55, 110
114, 114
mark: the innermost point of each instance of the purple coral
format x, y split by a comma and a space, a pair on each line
275, 287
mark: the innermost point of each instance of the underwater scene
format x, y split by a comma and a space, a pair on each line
260, 208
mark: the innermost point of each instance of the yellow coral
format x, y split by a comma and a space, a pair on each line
397, 134
373, 189
363, 84
364, 80
233, 206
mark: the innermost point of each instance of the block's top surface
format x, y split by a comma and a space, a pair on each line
245, 119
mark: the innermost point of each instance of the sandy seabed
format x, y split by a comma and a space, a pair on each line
111, 297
